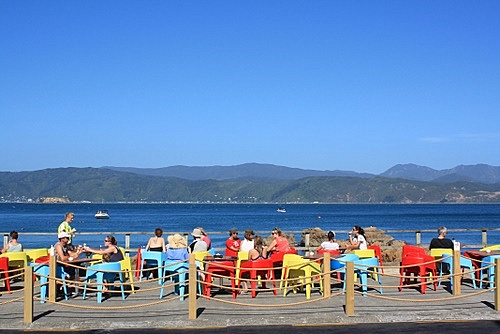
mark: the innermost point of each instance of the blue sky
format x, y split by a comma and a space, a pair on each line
328, 85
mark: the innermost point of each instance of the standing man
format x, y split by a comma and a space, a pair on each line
233, 243
66, 227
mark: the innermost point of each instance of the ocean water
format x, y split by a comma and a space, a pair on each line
217, 219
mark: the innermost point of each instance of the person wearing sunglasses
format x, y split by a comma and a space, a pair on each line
233, 243
278, 245
357, 238
112, 253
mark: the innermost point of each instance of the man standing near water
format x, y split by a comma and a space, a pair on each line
66, 227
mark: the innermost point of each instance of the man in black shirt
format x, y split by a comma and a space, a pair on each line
441, 241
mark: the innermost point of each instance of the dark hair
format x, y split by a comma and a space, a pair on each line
258, 243
14, 235
158, 232
359, 229
331, 235
112, 240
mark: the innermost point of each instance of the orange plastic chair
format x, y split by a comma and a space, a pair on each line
378, 255
4, 271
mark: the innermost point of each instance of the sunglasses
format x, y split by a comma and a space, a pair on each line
274, 232
106, 240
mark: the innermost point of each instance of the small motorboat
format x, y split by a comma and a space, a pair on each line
282, 210
102, 214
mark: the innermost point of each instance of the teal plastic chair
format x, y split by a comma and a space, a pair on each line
465, 263
100, 272
155, 259
489, 261
43, 271
180, 269
365, 267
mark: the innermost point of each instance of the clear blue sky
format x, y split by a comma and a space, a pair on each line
348, 85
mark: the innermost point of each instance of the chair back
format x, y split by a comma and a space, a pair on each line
441, 252
200, 256
97, 257
34, 254
340, 262
16, 259
492, 247
292, 260
410, 249
332, 252
364, 253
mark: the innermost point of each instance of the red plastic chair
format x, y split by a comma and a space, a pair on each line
138, 263
260, 267
410, 249
378, 255
4, 271
332, 252
418, 265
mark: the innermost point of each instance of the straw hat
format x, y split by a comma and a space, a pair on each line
176, 241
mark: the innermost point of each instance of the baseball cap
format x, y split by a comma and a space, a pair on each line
63, 235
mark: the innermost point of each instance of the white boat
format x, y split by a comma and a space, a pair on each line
102, 214
282, 210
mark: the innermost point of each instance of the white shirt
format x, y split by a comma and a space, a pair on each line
246, 245
362, 241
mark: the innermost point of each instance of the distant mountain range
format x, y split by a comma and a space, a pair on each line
266, 172
253, 183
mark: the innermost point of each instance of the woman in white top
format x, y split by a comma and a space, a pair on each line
330, 244
358, 241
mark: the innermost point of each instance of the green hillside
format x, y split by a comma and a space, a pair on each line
105, 185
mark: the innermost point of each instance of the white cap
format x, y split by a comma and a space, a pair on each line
64, 235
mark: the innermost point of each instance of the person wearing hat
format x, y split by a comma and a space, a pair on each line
198, 245
64, 254
205, 237
177, 248
247, 243
233, 243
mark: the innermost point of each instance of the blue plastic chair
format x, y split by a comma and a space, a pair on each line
181, 270
155, 259
338, 264
489, 261
465, 263
100, 272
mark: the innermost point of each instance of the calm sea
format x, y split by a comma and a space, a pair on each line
262, 218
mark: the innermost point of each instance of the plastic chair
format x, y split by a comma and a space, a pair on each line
126, 267
364, 253
378, 255
421, 265
4, 271
199, 257
153, 258
296, 266
180, 269
493, 247
332, 252
100, 272
465, 264
364, 267
35, 254
338, 265
438, 253
242, 257
16, 259
259, 267
489, 261
410, 249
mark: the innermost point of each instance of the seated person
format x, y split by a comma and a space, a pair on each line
357, 238
330, 244
278, 245
112, 253
13, 245
441, 241
63, 254
233, 243
177, 248
253, 255
248, 241
156, 243
197, 245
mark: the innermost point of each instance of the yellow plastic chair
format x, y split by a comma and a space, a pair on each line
493, 247
16, 259
199, 257
34, 254
364, 253
295, 266
437, 253
242, 257
97, 257
126, 267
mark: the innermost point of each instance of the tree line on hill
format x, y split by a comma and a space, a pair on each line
107, 185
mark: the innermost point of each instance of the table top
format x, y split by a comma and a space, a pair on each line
481, 254
220, 258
